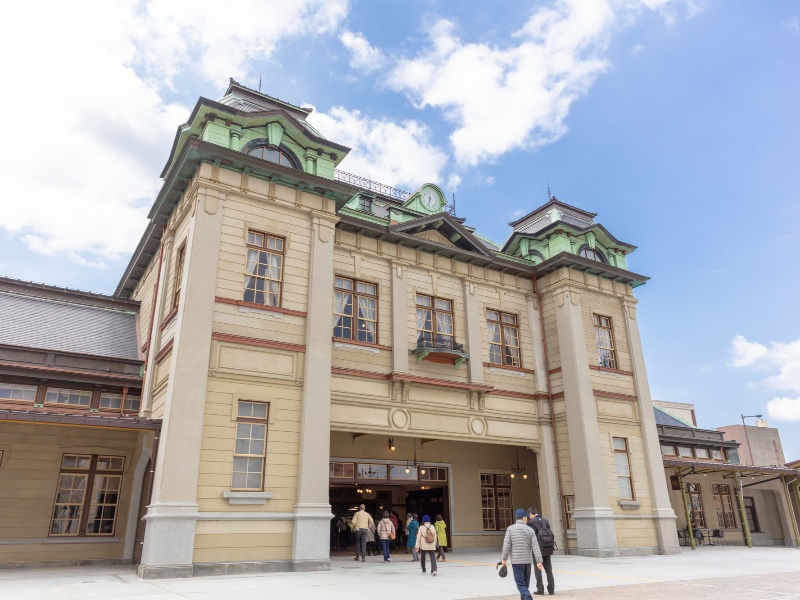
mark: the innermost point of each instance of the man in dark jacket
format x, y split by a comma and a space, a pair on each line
537, 522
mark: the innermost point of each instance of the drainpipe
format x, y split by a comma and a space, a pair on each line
791, 510
797, 497
562, 509
742, 515
689, 527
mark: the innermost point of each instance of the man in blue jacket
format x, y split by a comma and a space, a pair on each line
520, 543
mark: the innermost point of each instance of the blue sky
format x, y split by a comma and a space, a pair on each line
675, 120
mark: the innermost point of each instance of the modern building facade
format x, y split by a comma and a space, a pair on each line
311, 339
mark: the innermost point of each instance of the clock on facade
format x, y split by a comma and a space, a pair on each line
430, 199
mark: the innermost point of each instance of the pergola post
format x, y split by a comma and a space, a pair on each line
791, 511
742, 515
689, 527
797, 496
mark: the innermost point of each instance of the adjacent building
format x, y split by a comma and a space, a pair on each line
310, 339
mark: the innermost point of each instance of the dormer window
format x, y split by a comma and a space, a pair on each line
593, 254
278, 155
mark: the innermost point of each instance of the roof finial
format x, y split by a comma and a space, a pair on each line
549, 195
259, 83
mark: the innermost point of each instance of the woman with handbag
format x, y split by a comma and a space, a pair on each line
386, 532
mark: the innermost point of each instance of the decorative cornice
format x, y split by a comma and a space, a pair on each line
607, 370
248, 341
163, 352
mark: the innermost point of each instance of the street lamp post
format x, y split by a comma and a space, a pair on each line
747, 437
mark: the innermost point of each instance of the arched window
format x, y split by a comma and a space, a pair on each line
276, 154
592, 254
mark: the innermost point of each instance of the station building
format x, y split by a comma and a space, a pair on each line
306, 339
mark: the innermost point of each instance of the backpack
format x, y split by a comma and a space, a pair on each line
545, 537
430, 536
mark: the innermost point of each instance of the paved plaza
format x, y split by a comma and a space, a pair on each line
708, 573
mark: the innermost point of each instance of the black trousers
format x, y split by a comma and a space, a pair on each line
432, 554
548, 568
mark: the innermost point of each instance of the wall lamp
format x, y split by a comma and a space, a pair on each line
392, 447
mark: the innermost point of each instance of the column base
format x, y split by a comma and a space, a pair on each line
664, 520
312, 531
597, 536
168, 541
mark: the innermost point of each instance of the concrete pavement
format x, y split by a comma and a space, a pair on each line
711, 573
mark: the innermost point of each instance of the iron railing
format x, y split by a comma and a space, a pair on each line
439, 343
370, 185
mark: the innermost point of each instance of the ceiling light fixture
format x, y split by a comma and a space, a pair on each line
392, 447
518, 470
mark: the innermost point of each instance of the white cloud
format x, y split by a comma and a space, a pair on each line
515, 95
363, 56
782, 361
784, 409
397, 154
744, 353
636, 49
793, 25
85, 106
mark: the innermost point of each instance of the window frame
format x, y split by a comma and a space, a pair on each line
21, 387
601, 257
720, 456
264, 247
569, 510
597, 321
725, 519
626, 453
682, 455
672, 446
751, 514
356, 296
698, 451
693, 493
434, 317
240, 419
281, 149
180, 261
494, 486
501, 324
78, 391
90, 474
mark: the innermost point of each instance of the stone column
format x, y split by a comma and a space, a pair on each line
171, 518
400, 318
472, 318
545, 459
664, 517
594, 519
311, 541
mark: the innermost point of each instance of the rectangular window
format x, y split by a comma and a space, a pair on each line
604, 339
68, 397
78, 513
695, 505
701, 453
113, 402
733, 455
264, 269
569, 509
623, 466
750, 513
355, 310
496, 502
434, 319
503, 332
342, 470
12, 391
250, 451
724, 504
716, 455
434, 474
176, 294
685, 452
668, 450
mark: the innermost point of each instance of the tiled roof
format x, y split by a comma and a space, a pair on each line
664, 417
67, 327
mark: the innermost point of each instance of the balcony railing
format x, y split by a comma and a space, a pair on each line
368, 184
439, 347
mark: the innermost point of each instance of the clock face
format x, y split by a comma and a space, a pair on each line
430, 199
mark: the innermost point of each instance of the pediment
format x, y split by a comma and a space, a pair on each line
443, 229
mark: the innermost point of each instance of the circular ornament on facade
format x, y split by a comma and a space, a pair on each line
399, 418
477, 426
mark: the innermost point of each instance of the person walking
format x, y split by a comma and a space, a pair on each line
411, 537
395, 518
441, 537
521, 545
344, 533
371, 546
361, 522
385, 532
409, 518
544, 536
426, 543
